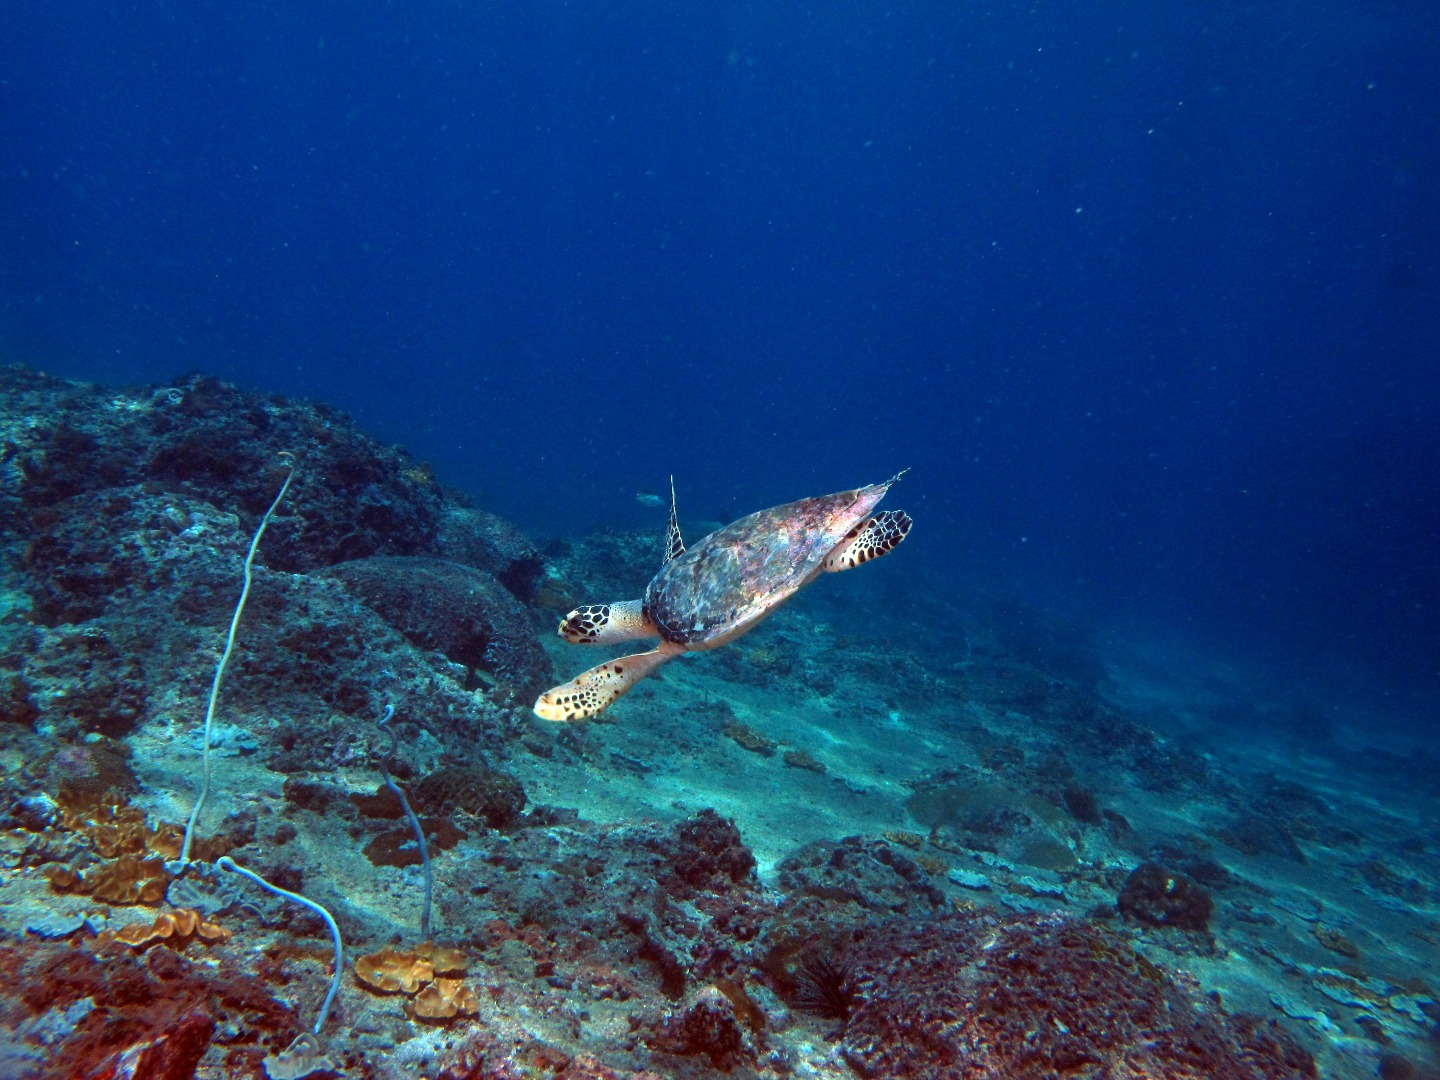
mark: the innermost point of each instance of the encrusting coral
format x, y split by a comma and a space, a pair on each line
420, 972
126, 880
133, 852
174, 927
444, 999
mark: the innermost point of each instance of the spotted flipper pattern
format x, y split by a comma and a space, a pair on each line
873, 537
592, 692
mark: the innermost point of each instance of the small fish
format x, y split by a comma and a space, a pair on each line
647, 498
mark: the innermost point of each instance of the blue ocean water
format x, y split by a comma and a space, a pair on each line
1146, 295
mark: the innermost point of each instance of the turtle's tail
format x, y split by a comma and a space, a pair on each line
592, 692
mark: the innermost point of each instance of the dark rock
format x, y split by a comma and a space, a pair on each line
1119, 829
207, 440
237, 829
397, 847
967, 807
83, 774
172, 1055
870, 873
89, 683
176, 1002
1082, 804
486, 542
457, 610
1168, 767
1188, 854
283, 834
976, 994
1055, 768
382, 804
708, 855
477, 789
1251, 834
1288, 798
31, 812
1156, 896
96, 551
1383, 878
17, 701
1208, 872
292, 878
708, 1028
310, 795
662, 947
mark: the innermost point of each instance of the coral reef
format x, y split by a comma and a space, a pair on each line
974, 996
915, 871
160, 1009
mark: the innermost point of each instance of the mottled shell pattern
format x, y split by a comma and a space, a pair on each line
738, 574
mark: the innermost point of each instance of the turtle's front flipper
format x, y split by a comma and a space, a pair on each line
602, 624
873, 537
592, 692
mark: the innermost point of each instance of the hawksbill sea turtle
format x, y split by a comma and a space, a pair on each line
722, 587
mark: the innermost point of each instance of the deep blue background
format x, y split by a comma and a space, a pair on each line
1146, 294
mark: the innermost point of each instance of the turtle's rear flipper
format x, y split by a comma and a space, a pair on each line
873, 537
592, 692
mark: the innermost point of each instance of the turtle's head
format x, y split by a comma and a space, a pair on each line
604, 623
584, 625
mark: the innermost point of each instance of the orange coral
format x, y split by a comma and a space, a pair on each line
128, 880
444, 999
120, 833
390, 971
117, 831
167, 839
444, 961
418, 971
62, 878
181, 924
116, 828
